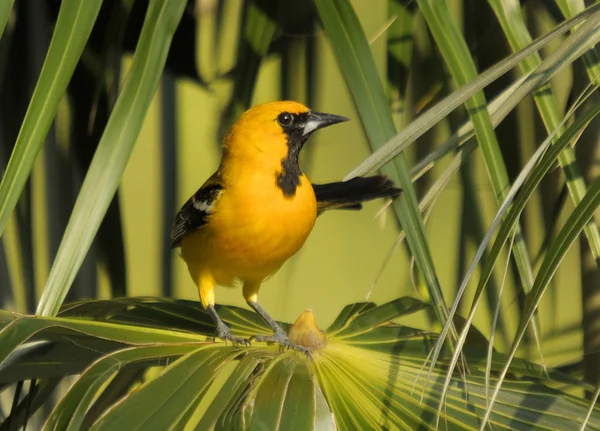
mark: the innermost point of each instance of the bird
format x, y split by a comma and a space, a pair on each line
258, 208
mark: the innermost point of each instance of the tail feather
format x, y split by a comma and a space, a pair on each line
349, 194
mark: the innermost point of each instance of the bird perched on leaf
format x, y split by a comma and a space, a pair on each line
258, 208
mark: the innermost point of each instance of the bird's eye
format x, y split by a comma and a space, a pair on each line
285, 119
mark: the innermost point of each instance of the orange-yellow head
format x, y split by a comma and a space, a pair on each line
270, 136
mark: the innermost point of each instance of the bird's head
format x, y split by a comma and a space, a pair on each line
273, 133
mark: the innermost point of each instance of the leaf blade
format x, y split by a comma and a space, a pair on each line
354, 57
113, 151
73, 27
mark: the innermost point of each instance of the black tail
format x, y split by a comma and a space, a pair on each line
349, 194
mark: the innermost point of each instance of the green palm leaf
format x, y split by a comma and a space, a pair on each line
114, 149
73, 27
368, 375
353, 53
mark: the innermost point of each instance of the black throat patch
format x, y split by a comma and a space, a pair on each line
288, 179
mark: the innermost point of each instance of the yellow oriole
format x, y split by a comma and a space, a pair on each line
258, 208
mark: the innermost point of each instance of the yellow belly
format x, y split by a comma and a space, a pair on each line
250, 234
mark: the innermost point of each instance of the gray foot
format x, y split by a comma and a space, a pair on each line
224, 333
281, 338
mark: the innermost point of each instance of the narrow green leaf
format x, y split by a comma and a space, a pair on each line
114, 149
498, 110
562, 243
176, 314
593, 404
591, 59
165, 401
356, 62
284, 397
73, 27
557, 251
324, 420
351, 383
527, 183
299, 410
50, 360
15, 334
586, 34
27, 328
70, 413
5, 8
514, 26
222, 404
349, 312
382, 314
440, 110
123, 382
569, 9
461, 65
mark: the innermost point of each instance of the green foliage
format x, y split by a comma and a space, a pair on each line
136, 375
73, 28
150, 363
114, 149
352, 50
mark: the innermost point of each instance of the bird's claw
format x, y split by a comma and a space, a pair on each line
281, 338
224, 333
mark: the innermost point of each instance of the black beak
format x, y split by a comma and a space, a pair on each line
318, 120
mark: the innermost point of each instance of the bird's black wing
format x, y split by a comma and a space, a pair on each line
194, 212
349, 194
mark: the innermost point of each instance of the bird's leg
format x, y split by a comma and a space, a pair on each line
279, 335
206, 289
223, 331
250, 291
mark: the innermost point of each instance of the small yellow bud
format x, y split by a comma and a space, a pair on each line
305, 332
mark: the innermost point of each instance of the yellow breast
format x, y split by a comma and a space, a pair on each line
253, 230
